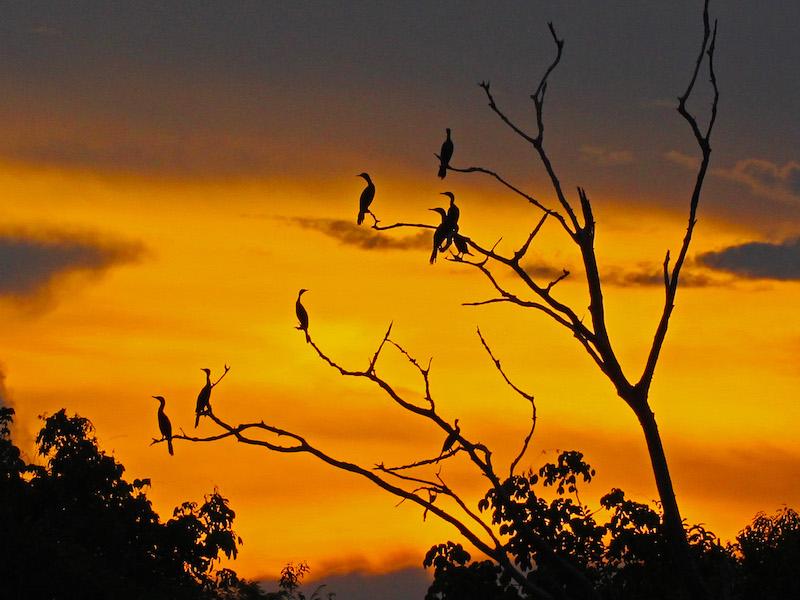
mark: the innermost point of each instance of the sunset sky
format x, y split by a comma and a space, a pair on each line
173, 173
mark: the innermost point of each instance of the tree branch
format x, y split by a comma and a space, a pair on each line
516, 190
703, 141
395, 225
225, 372
520, 254
527, 396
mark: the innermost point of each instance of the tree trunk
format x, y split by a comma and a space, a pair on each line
687, 574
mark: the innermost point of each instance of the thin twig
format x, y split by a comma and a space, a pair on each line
521, 392
227, 368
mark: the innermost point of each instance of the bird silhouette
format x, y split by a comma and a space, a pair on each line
450, 440
445, 155
460, 242
367, 195
302, 315
440, 234
453, 213
203, 398
163, 423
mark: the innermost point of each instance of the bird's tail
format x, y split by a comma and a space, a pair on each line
442, 171
308, 337
361, 216
169, 447
433, 254
196, 420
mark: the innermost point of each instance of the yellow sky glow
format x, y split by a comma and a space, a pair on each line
217, 282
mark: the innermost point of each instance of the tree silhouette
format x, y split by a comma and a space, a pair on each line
567, 573
75, 528
623, 555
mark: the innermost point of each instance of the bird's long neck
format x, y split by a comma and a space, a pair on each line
208, 379
161, 403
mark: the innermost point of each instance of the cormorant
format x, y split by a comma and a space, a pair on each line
450, 440
452, 219
441, 233
460, 243
163, 423
452, 212
367, 195
203, 398
445, 155
302, 314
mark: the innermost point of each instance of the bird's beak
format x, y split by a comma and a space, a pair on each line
443, 193
154, 397
433, 209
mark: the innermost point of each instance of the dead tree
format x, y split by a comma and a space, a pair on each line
576, 220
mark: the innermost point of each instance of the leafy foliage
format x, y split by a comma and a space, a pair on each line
625, 557
75, 528
769, 553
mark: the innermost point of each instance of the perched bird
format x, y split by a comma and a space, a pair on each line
203, 398
460, 242
450, 440
367, 195
440, 234
163, 423
302, 314
445, 155
453, 213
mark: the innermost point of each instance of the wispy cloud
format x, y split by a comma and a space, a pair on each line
32, 262
606, 157
361, 236
765, 178
684, 160
762, 177
758, 260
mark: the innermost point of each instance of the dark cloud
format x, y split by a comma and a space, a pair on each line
644, 277
641, 276
758, 260
263, 88
766, 178
544, 272
363, 237
32, 262
395, 585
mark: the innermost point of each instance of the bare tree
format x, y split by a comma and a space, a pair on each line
413, 482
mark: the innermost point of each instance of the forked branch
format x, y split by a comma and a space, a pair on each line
704, 143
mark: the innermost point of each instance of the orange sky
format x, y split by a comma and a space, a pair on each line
170, 179
217, 282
